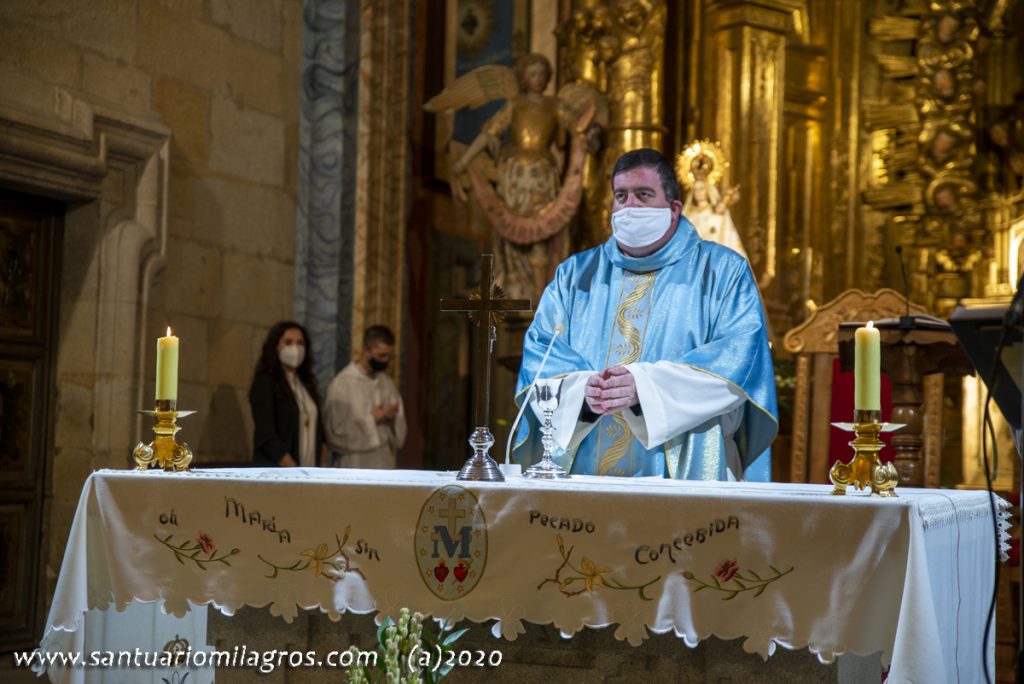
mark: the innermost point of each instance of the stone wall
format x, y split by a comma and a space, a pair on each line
222, 76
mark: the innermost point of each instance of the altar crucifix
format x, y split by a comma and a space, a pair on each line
485, 306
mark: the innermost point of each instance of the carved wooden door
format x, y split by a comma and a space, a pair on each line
30, 237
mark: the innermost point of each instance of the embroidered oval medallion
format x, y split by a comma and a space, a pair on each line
451, 542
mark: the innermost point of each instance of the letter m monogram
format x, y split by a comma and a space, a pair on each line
460, 544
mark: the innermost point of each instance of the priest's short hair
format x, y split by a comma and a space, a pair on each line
378, 333
645, 157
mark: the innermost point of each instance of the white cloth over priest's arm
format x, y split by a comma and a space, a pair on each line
569, 429
676, 398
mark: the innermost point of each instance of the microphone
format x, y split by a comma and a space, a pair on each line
559, 329
907, 321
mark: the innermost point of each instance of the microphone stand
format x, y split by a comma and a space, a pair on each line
1015, 319
906, 321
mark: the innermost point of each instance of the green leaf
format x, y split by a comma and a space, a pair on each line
775, 569
703, 586
741, 584
760, 590
451, 638
388, 622
731, 596
755, 575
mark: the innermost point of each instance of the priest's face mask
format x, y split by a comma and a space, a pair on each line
377, 356
643, 218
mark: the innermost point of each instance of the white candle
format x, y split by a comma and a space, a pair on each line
867, 369
167, 367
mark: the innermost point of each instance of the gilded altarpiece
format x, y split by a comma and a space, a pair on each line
935, 182
741, 97
851, 128
618, 49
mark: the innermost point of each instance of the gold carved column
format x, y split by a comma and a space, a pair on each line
381, 173
742, 100
619, 49
802, 238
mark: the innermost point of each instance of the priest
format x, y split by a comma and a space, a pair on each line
661, 342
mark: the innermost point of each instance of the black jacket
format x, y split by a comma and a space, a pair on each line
276, 417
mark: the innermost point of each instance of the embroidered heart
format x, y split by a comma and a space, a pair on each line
461, 571
441, 572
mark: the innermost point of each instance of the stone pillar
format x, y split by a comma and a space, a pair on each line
742, 91
327, 168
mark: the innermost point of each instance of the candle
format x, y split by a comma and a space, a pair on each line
867, 370
167, 367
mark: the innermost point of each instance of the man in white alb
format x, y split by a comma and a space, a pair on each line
364, 421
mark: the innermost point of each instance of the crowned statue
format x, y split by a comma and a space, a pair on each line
526, 187
700, 168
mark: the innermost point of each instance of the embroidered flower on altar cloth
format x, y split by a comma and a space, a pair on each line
592, 572
205, 542
726, 569
319, 557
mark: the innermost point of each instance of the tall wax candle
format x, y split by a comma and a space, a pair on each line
167, 367
867, 369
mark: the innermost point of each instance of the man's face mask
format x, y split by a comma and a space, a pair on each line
378, 366
636, 227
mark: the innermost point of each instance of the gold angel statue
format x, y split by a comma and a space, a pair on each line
525, 188
701, 167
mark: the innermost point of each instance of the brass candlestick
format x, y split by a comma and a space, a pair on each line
164, 451
864, 470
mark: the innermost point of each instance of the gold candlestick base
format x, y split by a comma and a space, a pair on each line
164, 452
865, 470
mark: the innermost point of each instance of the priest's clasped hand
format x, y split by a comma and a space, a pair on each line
611, 390
384, 412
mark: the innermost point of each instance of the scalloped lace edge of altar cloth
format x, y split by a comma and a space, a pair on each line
760, 644
942, 511
282, 607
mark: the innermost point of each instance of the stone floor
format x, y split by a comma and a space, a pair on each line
539, 655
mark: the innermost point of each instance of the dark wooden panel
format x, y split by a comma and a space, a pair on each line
20, 421
22, 273
18, 578
30, 243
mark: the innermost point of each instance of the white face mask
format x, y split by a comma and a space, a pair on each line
292, 355
636, 227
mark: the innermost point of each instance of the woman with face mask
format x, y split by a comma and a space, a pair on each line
284, 401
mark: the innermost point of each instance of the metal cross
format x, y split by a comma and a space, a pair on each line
487, 306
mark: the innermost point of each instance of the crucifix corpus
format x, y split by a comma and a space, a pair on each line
485, 307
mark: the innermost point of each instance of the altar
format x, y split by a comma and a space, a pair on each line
770, 565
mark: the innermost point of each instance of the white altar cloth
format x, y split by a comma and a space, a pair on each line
775, 564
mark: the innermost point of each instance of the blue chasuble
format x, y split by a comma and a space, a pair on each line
692, 308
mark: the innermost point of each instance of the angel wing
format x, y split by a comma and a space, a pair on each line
576, 97
476, 88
